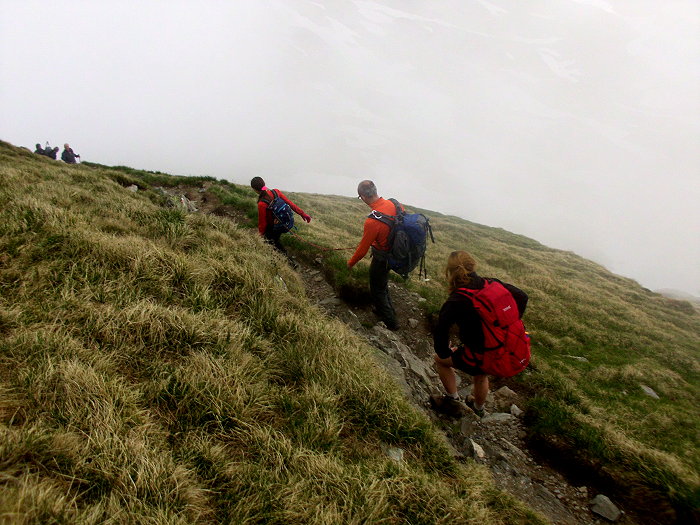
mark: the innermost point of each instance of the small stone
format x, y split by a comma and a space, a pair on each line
498, 417
331, 301
413, 323
649, 391
393, 453
466, 427
318, 278
602, 506
477, 449
514, 410
133, 188
514, 450
505, 392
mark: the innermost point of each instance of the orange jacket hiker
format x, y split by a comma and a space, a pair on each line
376, 233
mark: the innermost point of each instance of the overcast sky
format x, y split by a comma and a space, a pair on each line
574, 122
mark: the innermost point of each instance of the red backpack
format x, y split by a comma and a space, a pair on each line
506, 343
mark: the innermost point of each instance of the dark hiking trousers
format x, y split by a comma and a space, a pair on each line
273, 237
379, 289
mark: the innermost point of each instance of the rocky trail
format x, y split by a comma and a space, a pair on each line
498, 440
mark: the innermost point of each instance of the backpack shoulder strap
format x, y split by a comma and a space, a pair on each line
473, 293
389, 220
397, 205
467, 292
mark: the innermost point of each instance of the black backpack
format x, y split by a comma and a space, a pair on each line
407, 239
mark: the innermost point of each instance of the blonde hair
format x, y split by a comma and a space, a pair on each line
459, 265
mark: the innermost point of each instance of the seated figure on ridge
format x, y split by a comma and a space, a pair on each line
68, 156
50, 152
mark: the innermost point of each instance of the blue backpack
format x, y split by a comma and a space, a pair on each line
281, 211
407, 239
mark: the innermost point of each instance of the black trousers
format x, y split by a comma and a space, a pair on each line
379, 290
273, 237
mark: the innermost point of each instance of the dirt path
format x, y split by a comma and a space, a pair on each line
497, 441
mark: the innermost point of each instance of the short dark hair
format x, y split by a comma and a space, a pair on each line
367, 189
257, 183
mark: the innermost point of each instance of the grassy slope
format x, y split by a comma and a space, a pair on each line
629, 335
164, 367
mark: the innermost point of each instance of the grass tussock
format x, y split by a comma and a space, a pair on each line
166, 368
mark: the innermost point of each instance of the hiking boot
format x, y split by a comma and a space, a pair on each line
447, 405
392, 325
478, 412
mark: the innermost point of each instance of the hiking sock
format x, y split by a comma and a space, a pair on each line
454, 396
479, 407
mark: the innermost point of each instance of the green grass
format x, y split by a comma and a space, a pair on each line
629, 335
166, 298
164, 367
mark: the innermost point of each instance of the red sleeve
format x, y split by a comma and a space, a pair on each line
296, 209
262, 217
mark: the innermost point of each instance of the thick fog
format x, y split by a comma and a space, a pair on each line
574, 122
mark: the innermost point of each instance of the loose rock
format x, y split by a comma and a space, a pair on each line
649, 391
602, 506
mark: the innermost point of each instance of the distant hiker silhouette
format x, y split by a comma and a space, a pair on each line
275, 215
39, 150
50, 152
489, 345
68, 156
376, 236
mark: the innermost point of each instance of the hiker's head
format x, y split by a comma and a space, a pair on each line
66, 146
38, 146
459, 265
257, 183
367, 191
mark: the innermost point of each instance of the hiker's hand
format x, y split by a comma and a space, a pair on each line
306, 217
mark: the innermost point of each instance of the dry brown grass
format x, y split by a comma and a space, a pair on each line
167, 368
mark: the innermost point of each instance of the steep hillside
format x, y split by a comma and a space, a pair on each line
617, 366
142, 343
164, 367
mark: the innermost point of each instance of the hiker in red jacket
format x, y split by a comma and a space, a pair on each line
459, 310
376, 235
266, 220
